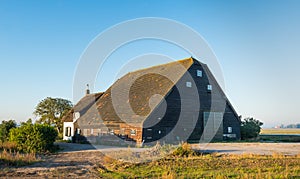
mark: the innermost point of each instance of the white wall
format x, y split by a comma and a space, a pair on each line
68, 124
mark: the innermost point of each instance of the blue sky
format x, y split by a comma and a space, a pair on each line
257, 44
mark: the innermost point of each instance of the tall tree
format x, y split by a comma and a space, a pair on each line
51, 110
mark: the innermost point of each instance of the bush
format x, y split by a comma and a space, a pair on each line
35, 138
184, 150
250, 128
5, 127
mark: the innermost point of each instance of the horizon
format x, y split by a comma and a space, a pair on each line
257, 45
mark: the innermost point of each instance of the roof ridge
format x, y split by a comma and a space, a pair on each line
158, 65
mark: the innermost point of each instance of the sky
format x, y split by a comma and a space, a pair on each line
257, 44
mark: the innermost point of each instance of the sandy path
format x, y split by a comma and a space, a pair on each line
254, 148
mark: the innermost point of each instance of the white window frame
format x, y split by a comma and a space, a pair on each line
209, 87
132, 132
68, 131
229, 129
199, 73
188, 84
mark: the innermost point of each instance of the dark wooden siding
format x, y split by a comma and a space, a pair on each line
210, 101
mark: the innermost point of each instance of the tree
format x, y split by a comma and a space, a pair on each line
5, 127
250, 128
51, 110
33, 137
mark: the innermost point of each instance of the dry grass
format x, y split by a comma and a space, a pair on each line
280, 131
197, 165
9, 156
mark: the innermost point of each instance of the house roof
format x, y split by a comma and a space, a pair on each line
82, 106
127, 100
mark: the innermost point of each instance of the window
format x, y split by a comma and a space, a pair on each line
68, 131
92, 131
133, 132
209, 87
111, 132
78, 131
188, 84
199, 73
76, 116
229, 129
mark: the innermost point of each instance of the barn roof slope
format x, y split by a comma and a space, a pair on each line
82, 106
133, 97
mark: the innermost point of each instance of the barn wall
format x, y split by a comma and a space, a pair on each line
164, 124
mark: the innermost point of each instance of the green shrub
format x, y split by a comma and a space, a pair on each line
5, 127
250, 128
33, 137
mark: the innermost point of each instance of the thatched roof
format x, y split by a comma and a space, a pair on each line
82, 106
127, 100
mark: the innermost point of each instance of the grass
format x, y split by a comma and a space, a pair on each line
281, 131
186, 164
9, 156
208, 166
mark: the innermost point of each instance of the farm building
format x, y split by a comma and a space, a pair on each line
177, 101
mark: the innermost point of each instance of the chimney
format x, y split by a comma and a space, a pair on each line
87, 90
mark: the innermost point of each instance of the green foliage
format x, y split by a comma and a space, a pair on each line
51, 111
250, 128
5, 127
33, 137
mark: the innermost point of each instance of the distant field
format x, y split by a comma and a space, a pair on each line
280, 131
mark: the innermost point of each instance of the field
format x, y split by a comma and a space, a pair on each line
281, 131
209, 166
280, 135
184, 163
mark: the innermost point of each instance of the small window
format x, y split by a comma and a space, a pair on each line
209, 87
188, 84
68, 131
111, 132
92, 131
76, 116
199, 73
78, 131
229, 129
133, 132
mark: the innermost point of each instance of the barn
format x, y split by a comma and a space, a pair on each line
173, 102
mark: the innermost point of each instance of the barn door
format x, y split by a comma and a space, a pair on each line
213, 126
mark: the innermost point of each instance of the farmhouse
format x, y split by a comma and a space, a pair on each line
171, 102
